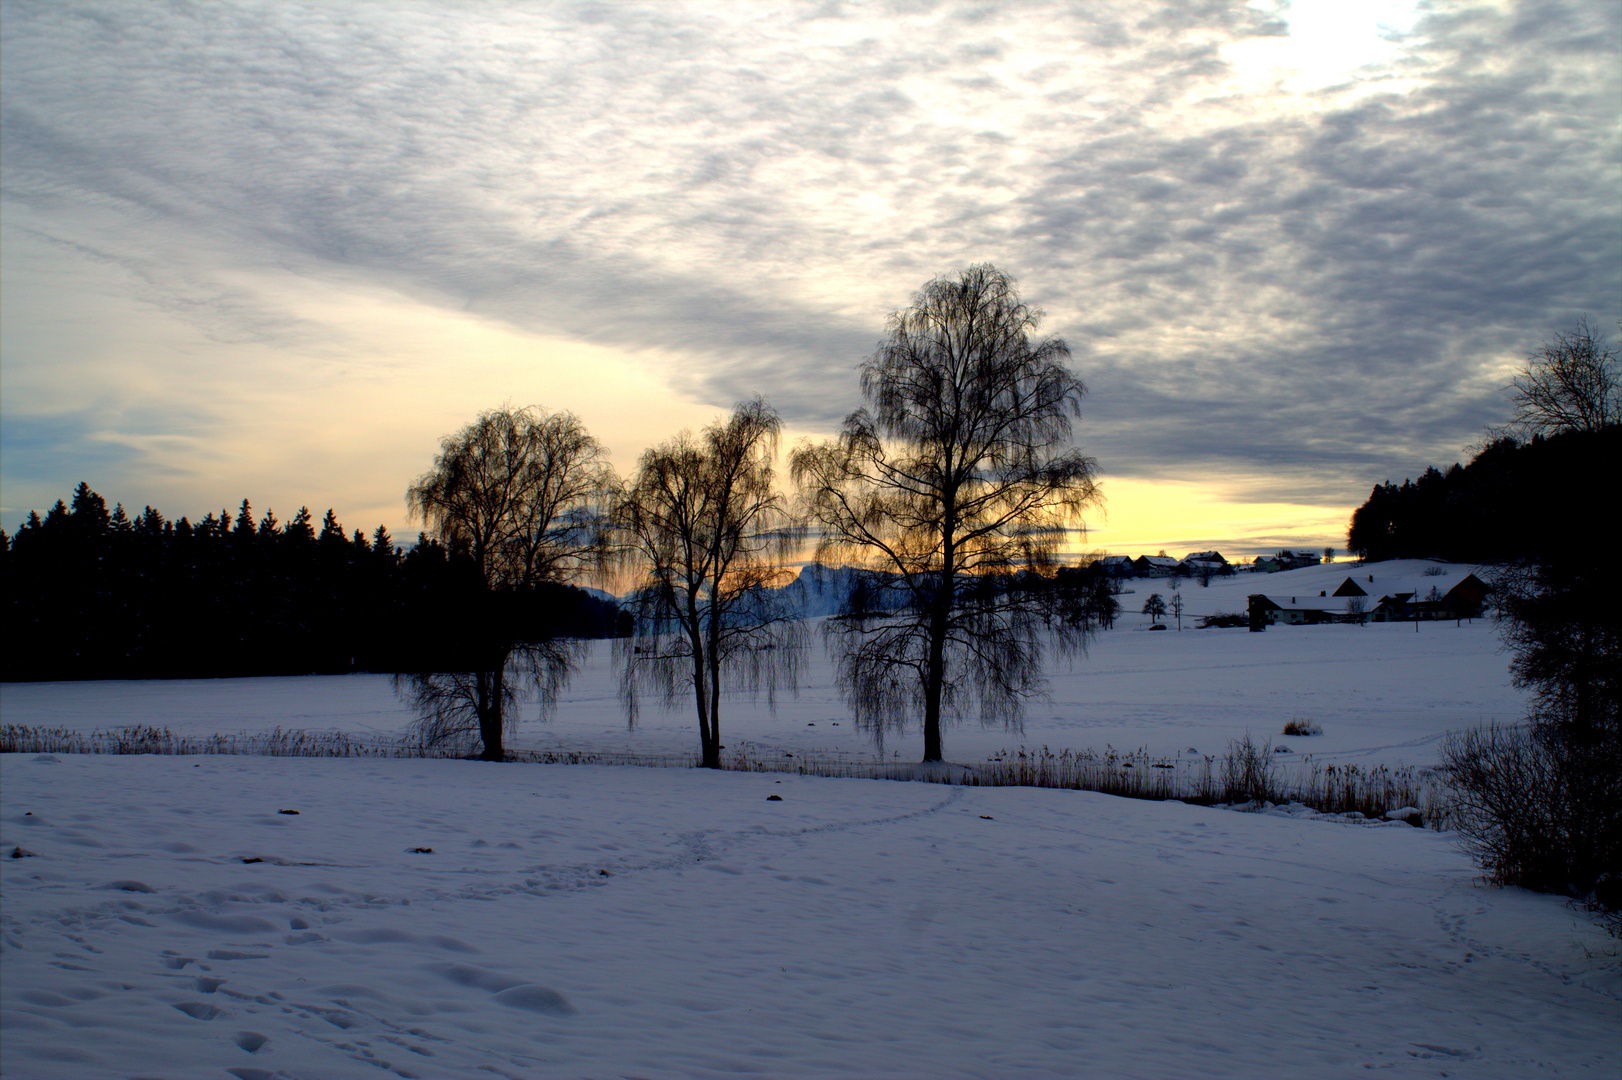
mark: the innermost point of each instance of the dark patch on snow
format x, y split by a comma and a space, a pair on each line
380, 936
468, 975
232, 924
46, 998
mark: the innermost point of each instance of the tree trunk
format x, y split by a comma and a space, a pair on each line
940, 614
709, 741
935, 681
491, 685
712, 745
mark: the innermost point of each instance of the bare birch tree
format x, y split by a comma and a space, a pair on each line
957, 477
704, 524
518, 493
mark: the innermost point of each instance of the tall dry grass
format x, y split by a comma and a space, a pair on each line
1246, 774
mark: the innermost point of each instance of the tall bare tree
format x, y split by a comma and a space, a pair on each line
957, 477
704, 523
518, 493
1569, 384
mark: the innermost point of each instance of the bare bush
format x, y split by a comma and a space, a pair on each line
1535, 810
1540, 806
1247, 772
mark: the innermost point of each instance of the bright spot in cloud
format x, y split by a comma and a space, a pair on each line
1329, 43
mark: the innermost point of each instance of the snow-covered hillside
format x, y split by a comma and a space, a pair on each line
1383, 694
577, 921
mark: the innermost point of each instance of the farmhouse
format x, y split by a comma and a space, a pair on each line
1351, 603
1114, 566
1294, 611
1205, 565
1464, 600
1154, 566
1285, 560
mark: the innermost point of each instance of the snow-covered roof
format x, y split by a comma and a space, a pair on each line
1304, 603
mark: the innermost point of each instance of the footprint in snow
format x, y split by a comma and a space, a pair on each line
251, 1041
198, 1010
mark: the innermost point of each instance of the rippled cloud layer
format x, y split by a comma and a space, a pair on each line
1291, 291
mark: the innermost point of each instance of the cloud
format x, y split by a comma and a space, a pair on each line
1278, 289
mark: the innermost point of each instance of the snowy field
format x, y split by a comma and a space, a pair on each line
577, 921
582, 921
1382, 693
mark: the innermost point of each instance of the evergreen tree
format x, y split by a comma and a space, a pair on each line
244, 533
89, 511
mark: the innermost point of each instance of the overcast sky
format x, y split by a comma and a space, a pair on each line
277, 250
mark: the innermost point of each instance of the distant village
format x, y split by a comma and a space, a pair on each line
1439, 591
1204, 565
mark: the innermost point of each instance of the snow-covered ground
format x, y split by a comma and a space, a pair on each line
579, 921
1383, 693
585, 921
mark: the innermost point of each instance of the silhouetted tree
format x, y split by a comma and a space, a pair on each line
702, 520
245, 532
957, 475
1085, 597
518, 493
1512, 501
1568, 384
299, 532
1154, 607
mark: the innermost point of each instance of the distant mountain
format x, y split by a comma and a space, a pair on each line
826, 590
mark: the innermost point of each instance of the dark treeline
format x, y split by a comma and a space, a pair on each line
93, 594
1515, 500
